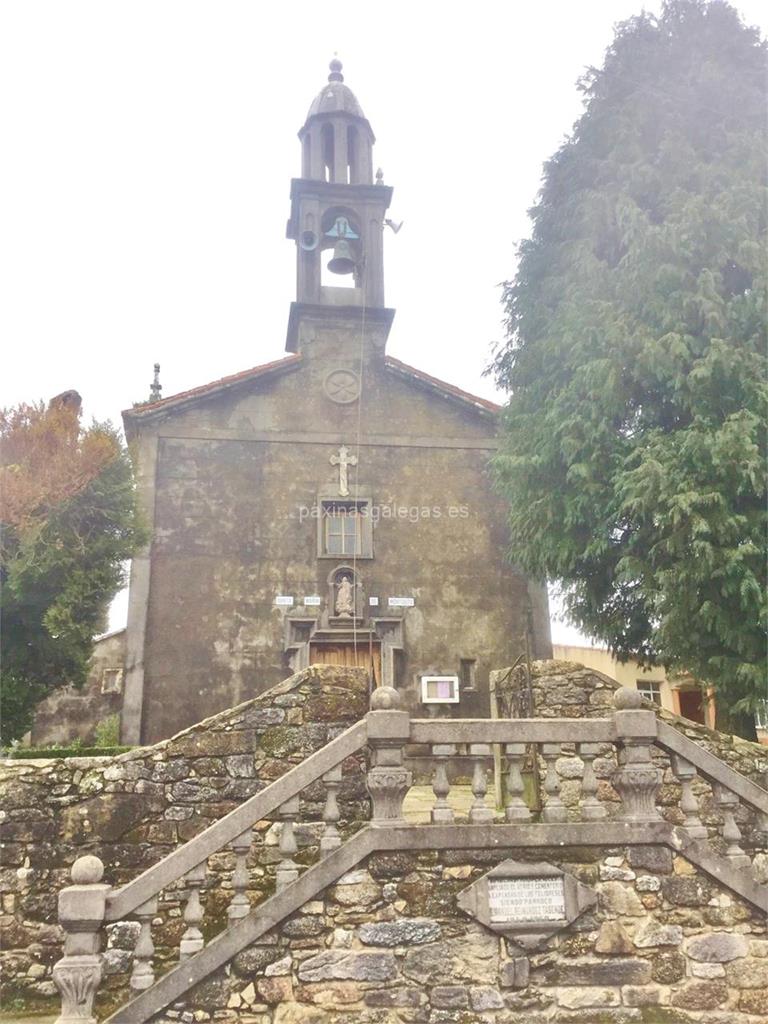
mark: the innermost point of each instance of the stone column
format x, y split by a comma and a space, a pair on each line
388, 780
637, 779
81, 914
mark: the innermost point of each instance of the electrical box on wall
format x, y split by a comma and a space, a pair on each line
439, 689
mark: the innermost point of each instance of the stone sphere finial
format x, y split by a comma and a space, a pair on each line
627, 699
335, 75
87, 870
385, 698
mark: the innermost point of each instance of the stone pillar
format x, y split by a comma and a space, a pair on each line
81, 914
388, 780
637, 779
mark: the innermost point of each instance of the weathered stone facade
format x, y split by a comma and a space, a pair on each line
387, 944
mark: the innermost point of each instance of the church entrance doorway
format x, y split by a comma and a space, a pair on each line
351, 655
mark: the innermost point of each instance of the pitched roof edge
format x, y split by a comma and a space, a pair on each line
214, 387
448, 390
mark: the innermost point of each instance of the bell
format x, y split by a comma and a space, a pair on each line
343, 261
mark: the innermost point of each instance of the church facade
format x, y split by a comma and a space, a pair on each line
334, 505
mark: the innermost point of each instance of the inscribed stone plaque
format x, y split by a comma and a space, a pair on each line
526, 899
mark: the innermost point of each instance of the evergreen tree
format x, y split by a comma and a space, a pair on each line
68, 518
633, 453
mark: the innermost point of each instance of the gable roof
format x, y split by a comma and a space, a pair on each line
147, 410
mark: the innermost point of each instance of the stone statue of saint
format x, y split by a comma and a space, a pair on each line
345, 602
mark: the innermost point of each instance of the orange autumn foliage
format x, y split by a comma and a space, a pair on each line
47, 458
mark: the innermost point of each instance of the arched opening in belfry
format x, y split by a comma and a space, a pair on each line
327, 151
306, 157
353, 156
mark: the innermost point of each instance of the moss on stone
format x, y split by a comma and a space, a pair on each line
279, 740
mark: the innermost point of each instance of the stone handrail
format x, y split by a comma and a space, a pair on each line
87, 905
517, 730
217, 836
626, 749
714, 770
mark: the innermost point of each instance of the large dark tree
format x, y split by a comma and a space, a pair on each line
67, 511
634, 440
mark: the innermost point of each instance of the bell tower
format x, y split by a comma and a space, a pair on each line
337, 216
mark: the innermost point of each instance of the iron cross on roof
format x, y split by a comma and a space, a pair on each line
343, 460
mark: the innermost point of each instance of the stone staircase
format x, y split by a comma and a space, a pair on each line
605, 781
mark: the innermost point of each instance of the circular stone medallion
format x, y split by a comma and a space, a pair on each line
342, 386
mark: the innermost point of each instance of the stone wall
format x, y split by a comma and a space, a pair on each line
387, 944
133, 809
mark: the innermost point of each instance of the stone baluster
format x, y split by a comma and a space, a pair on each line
685, 773
479, 812
239, 905
442, 812
143, 974
81, 914
727, 801
591, 808
554, 808
287, 870
388, 780
331, 840
516, 808
636, 779
192, 939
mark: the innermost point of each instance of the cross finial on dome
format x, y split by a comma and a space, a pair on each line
335, 66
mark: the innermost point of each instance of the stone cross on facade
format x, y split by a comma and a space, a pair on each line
343, 460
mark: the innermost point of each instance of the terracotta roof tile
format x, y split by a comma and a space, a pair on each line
435, 382
245, 375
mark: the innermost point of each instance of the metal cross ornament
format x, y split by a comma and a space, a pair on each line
343, 460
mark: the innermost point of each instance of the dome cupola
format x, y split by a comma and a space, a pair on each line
336, 139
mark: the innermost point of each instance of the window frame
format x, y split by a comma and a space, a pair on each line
455, 696
644, 684
364, 522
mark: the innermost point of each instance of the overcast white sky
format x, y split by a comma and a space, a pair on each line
149, 147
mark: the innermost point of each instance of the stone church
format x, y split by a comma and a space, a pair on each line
334, 505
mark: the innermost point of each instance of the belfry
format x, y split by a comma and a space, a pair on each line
331, 506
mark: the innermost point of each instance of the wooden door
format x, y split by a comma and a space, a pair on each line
348, 655
691, 705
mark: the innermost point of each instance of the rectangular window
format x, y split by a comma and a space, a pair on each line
651, 691
112, 680
345, 525
467, 673
342, 529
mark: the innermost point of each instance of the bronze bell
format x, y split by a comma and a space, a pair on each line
343, 261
